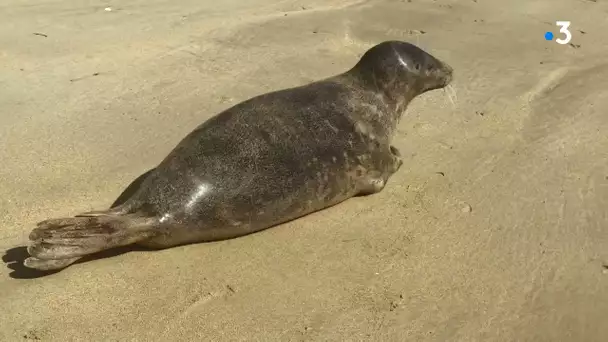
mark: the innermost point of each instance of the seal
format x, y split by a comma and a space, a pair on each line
265, 161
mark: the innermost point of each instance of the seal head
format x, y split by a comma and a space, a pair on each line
401, 71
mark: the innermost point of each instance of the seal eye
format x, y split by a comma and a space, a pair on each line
417, 66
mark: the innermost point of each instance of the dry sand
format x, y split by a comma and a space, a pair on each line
102, 96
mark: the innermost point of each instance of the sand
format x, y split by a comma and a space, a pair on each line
493, 230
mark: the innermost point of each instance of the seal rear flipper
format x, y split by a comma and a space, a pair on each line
57, 243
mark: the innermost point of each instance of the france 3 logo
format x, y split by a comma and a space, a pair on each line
563, 25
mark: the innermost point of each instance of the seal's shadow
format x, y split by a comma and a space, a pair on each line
14, 257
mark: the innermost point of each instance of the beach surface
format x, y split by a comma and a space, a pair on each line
494, 229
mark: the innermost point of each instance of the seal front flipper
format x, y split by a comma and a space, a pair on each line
373, 182
57, 243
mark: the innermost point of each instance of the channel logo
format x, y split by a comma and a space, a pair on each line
563, 25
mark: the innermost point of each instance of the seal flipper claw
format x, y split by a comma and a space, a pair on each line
396, 160
48, 265
117, 210
94, 213
56, 241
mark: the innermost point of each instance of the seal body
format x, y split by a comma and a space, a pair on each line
265, 161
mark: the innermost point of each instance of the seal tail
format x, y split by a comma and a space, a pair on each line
58, 243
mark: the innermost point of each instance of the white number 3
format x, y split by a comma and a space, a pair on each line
564, 29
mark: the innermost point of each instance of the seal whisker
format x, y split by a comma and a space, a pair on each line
450, 91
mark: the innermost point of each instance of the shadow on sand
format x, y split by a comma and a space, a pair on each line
14, 257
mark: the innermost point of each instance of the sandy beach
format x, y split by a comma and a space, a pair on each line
494, 229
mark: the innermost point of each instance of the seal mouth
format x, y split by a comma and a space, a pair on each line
443, 77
